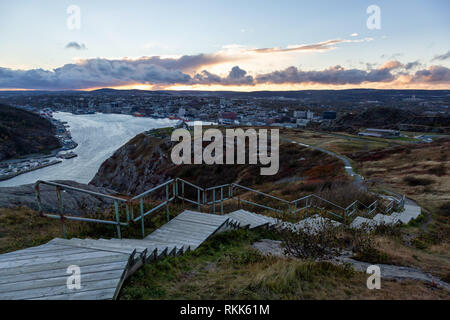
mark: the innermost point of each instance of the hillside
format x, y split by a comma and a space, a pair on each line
144, 162
23, 132
388, 118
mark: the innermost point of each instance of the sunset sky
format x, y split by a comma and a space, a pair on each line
224, 45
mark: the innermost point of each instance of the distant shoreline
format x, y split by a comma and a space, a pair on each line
13, 175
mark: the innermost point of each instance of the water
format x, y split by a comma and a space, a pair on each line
98, 136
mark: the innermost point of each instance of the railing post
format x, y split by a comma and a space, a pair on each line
295, 211
175, 190
167, 203
221, 200
142, 218
38, 199
198, 201
204, 197
61, 214
116, 208
182, 191
214, 200
127, 208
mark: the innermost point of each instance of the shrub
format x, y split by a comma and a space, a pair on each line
439, 170
312, 243
414, 181
444, 209
388, 230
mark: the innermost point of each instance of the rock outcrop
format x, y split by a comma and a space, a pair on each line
74, 202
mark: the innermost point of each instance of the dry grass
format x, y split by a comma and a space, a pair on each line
435, 260
226, 267
22, 227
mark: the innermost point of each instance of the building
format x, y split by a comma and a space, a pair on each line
380, 133
229, 115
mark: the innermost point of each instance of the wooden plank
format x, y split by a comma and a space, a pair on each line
180, 236
190, 226
247, 218
50, 264
27, 251
59, 290
203, 217
100, 294
188, 229
52, 281
102, 246
262, 219
48, 254
202, 220
120, 265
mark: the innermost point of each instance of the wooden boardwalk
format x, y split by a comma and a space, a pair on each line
41, 272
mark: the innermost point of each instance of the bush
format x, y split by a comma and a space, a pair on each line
364, 246
344, 194
444, 209
312, 243
439, 170
414, 181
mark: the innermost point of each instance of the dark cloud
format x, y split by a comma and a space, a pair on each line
91, 73
75, 45
412, 65
442, 57
333, 76
236, 76
434, 74
163, 72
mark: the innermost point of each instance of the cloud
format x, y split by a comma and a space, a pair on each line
390, 65
75, 45
320, 46
442, 57
168, 71
412, 65
434, 74
333, 76
236, 76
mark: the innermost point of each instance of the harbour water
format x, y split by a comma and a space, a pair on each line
98, 136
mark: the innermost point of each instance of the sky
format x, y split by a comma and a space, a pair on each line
245, 45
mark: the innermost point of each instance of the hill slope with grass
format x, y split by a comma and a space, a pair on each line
145, 162
23, 132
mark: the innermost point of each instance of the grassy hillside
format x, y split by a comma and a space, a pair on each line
23, 132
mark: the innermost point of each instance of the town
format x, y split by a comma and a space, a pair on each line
296, 109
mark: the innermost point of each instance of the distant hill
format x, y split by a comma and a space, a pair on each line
378, 117
23, 132
389, 118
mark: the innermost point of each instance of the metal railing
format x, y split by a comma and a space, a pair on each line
62, 216
176, 189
